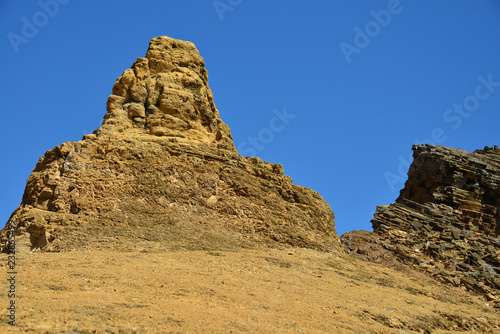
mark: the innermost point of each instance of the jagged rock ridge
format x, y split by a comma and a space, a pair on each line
162, 171
445, 222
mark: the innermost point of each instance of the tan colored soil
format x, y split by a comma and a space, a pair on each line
239, 291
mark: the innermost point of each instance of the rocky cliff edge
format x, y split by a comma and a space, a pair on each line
445, 222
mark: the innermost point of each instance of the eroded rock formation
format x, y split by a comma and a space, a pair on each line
162, 171
446, 221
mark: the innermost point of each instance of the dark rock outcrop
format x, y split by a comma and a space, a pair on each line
445, 222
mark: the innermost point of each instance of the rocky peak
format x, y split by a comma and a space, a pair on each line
162, 172
166, 94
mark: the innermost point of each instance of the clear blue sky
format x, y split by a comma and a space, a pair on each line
364, 79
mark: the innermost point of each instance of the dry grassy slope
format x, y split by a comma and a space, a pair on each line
259, 290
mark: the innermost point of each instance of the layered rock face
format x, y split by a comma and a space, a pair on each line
162, 171
445, 222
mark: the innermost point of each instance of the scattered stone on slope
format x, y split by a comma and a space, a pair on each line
162, 171
446, 221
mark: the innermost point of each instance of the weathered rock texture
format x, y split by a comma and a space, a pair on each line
445, 222
162, 171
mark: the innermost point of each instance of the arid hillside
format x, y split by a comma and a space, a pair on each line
155, 223
258, 290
